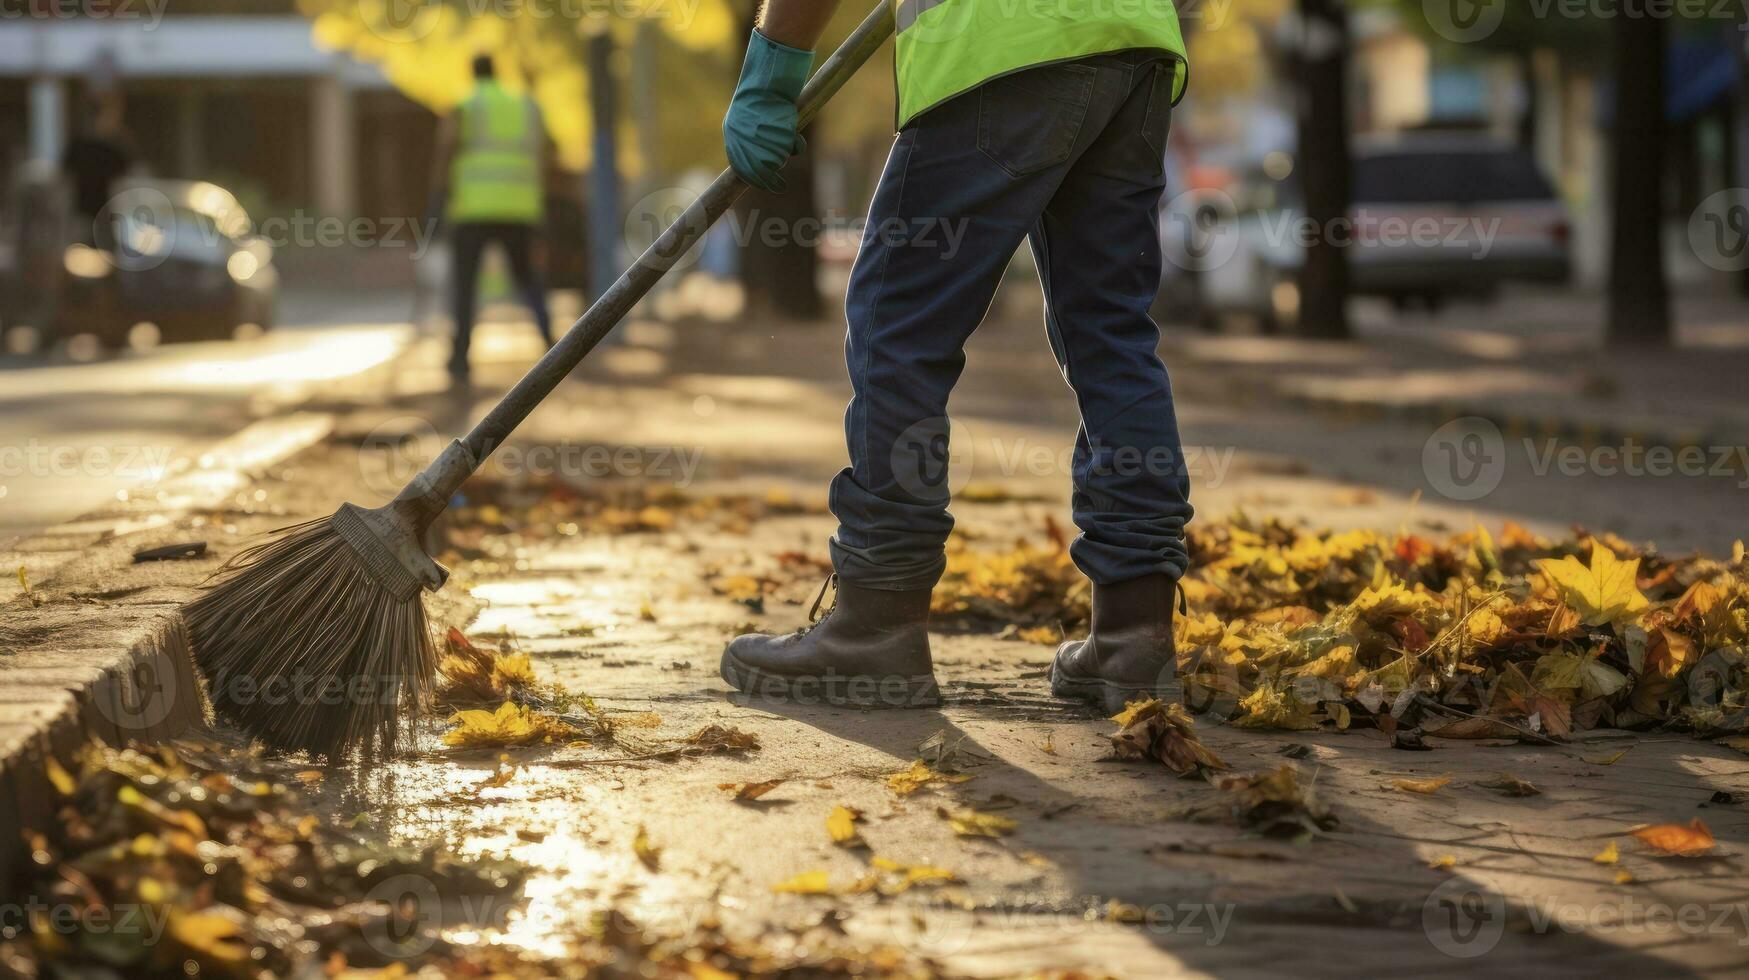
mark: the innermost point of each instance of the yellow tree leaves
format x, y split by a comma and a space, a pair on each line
841, 827
1602, 592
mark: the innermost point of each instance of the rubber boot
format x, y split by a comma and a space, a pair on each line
1129, 655
870, 650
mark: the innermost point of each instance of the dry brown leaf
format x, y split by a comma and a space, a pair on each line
1690, 841
1423, 786
750, 791
1506, 784
1152, 730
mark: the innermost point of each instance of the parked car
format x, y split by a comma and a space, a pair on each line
179, 255
1432, 218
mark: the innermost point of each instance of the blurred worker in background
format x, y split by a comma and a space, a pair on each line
95, 159
492, 158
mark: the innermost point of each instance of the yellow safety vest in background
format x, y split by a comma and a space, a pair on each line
946, 47
496, 173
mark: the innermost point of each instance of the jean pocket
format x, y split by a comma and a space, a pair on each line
1030, 121
1157, 123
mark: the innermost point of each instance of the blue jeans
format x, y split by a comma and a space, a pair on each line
1070, 156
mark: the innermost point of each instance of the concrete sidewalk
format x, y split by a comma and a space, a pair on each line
633, 621
1523, 384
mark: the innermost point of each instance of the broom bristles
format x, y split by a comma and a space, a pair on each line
304, 651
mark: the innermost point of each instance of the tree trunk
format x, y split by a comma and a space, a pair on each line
779, 236
1325, 169
605, 221
1639, 296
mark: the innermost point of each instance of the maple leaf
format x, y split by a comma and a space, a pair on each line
1603, 592
1151, 729
1690, 841
510, 725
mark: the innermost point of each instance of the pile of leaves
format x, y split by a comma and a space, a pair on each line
201, 859
1524, 637
496, 701
1030, 587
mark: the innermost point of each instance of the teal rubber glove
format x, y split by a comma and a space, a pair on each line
759, 132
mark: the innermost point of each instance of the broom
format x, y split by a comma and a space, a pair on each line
315, 639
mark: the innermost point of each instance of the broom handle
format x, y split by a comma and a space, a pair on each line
433, 487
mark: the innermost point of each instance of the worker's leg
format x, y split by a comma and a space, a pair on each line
468, 240
1098, 253
519, 242
963, 185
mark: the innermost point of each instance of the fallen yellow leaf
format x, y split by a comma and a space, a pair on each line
1422, 786
919, 775
1624, 877
841, 825
511, 724
1605, 758
648, 853
971, 823
1608, 855
1603, 592
806, 883
1443, 861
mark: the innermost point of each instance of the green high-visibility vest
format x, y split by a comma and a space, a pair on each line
496, 173
946, 47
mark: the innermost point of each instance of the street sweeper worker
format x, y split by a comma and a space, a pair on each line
1017, 122
490, 165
